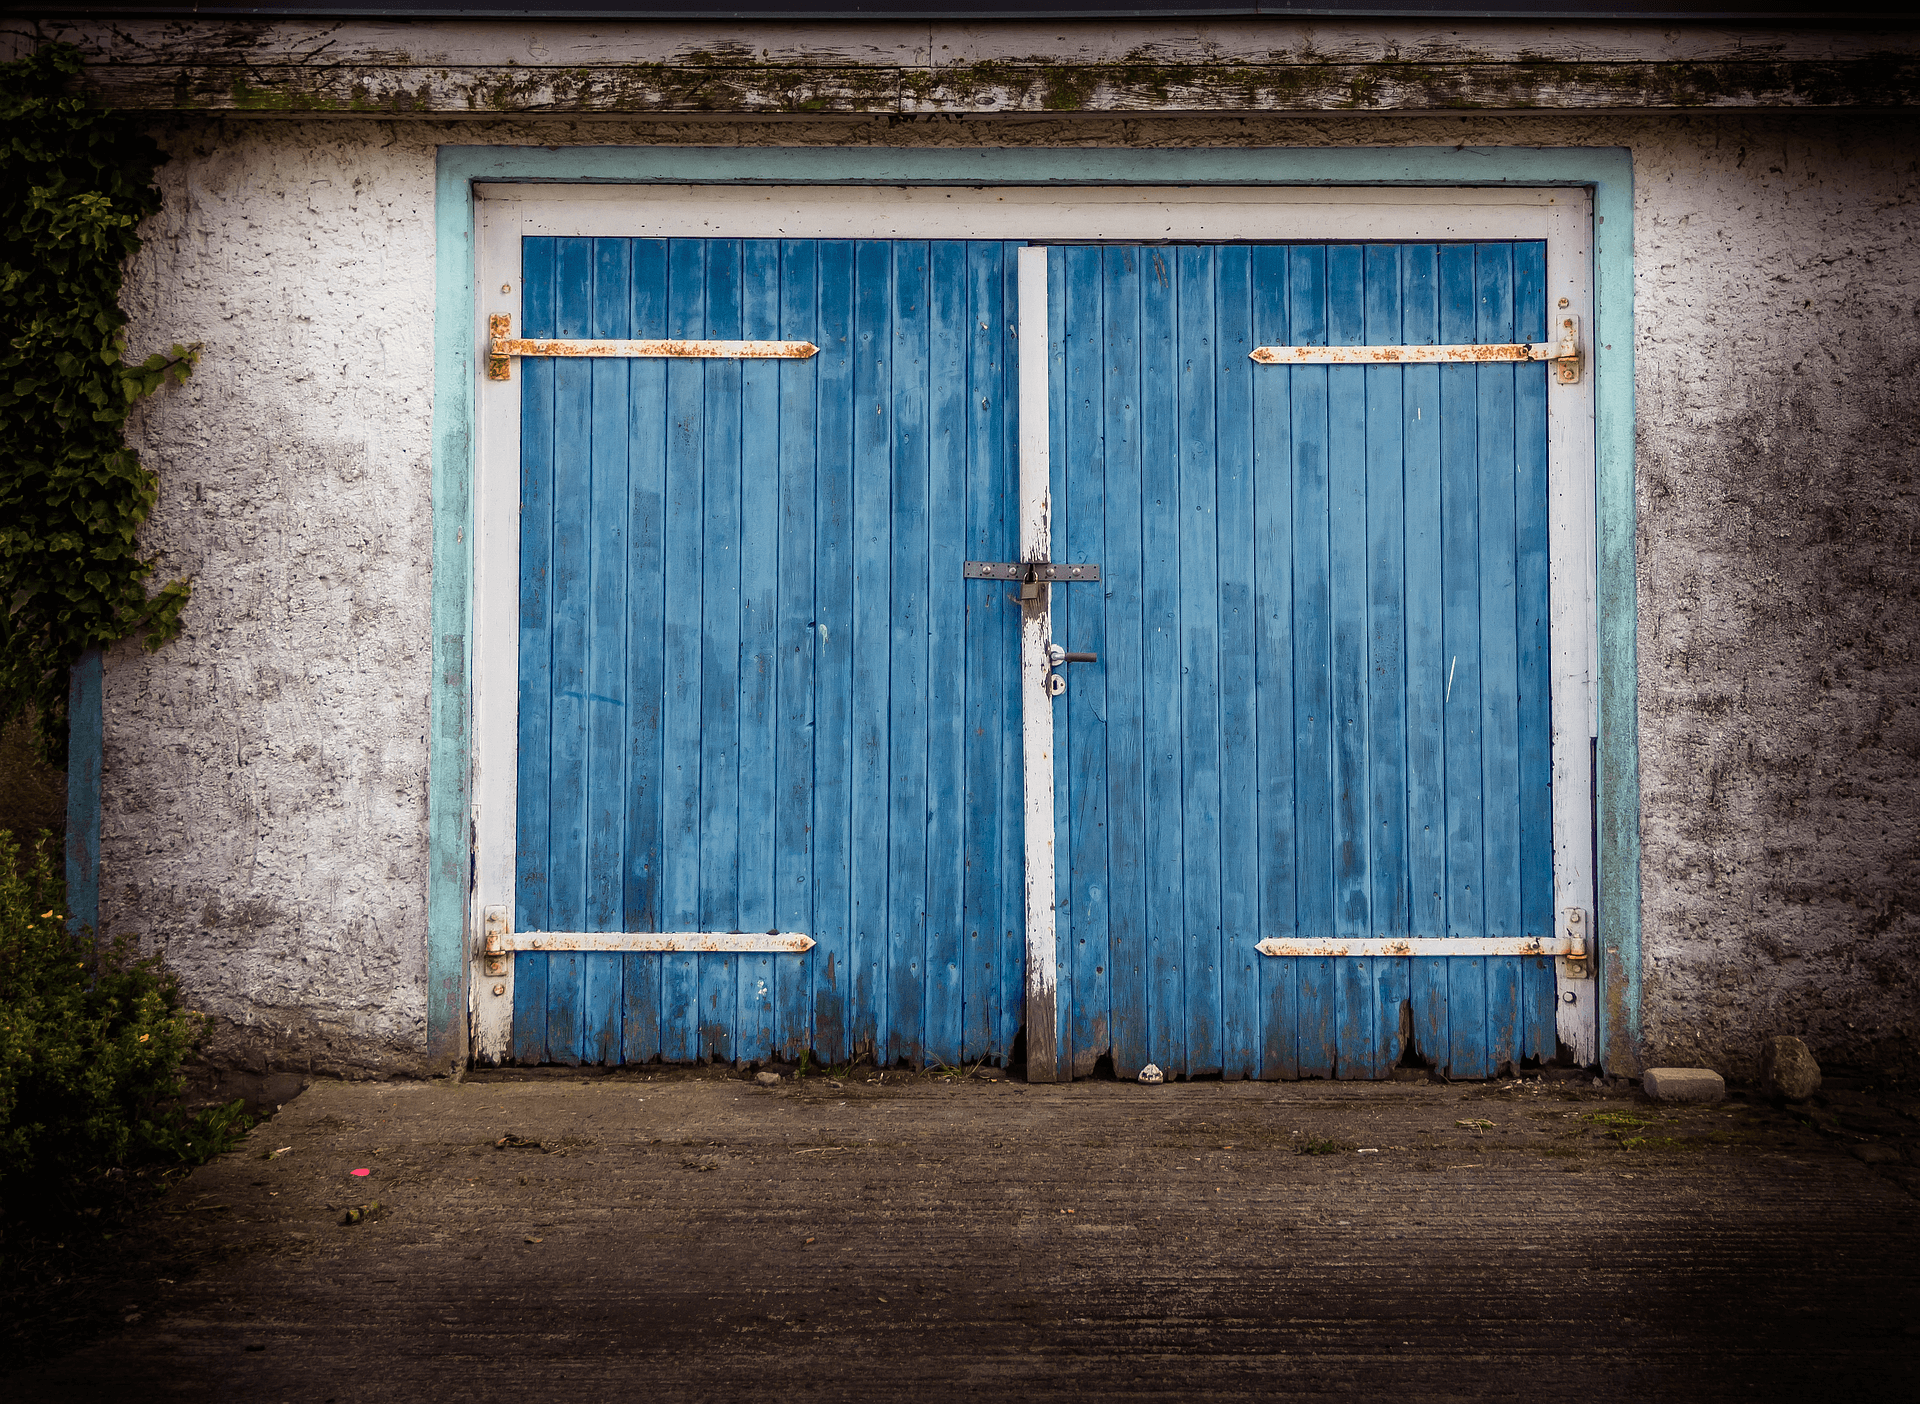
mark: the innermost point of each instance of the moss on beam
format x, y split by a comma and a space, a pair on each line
729, 83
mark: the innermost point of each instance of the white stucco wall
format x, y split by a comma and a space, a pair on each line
265, 816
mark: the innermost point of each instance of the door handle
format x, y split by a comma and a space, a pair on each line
1058, 657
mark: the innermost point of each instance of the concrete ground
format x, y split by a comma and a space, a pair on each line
694, 1236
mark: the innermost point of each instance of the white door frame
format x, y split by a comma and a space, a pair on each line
1560, 216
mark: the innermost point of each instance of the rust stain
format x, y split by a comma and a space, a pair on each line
699, 350
1406, 355
697, 942
503, 346
1415, 946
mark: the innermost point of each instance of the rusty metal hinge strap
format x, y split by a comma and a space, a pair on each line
502, 347
1341, 946
1564, 353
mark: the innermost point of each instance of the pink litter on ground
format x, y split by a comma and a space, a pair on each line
359, 1172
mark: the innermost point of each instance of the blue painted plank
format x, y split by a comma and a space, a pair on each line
1460, 589
834, 655
948, 594
1160, 375
681, 731
605, 684
1057, 628
86, 742
906, 685
1313, 719
1080, 413
1199, 614
1012, 997
646, 623
719, 752
987, 689
1426, 655
759, 643
1386, 571
798, 644
1274, 645
1239, 727
1120, 667
1499, 725
1534, 662
571, 600
536, 688
1347, 531
872, 519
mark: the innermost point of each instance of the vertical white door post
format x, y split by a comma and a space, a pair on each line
1036, 702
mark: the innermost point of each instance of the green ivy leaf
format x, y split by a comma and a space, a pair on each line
75, 183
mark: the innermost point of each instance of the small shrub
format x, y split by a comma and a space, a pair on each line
91, 1045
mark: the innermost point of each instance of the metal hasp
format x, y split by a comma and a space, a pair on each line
1032, 573
1564, 353
502, 346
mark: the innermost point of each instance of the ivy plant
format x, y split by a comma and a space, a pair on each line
75, 182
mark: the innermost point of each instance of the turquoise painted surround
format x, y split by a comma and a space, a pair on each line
1608, 172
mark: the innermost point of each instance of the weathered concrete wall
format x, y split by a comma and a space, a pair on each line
264, 821
265, 775
1778, 345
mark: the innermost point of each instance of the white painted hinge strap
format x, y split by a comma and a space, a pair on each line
1422, 946
693, 942
501, 941
1565, 353
502, 347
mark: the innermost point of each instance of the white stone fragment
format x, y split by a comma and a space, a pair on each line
1151, 1074
1684, 1085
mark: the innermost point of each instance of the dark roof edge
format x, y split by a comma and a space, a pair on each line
1608, 11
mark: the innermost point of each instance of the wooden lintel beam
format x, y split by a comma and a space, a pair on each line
396, 89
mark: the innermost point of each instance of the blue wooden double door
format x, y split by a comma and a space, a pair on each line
756, 693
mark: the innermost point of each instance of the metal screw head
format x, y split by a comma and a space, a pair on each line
1570, 997
502, 989
1563, 301
508, 287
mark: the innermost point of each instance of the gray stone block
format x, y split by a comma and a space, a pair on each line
1788, 1070
1683, 1084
